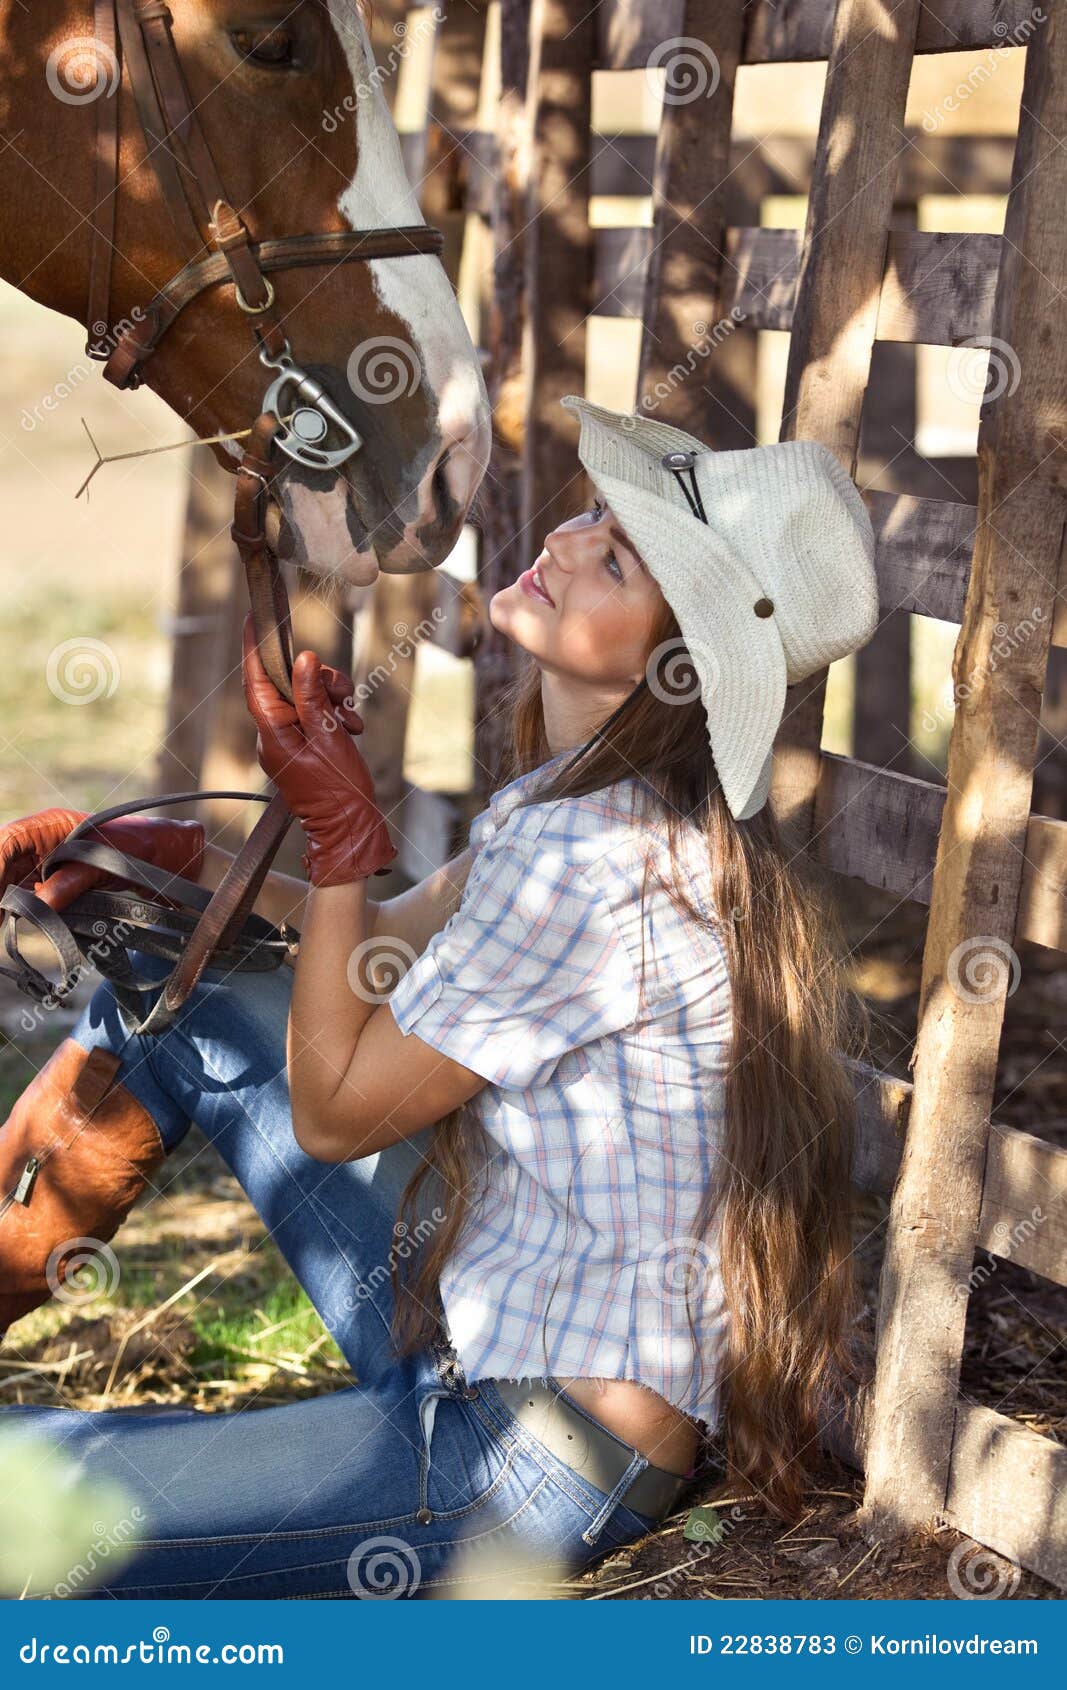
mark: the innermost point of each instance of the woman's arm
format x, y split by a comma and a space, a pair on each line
412, 917
356, 1083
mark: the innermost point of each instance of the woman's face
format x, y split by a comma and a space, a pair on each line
587, 608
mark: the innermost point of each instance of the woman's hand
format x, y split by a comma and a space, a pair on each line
308, 753
170, 844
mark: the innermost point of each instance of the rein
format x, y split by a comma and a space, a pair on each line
299, 420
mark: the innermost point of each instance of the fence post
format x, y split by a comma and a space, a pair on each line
683, 310
969, 965
559, 260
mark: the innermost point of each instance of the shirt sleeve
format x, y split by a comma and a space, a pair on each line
531, 965
480, 827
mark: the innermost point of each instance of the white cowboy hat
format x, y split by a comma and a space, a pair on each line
765, 555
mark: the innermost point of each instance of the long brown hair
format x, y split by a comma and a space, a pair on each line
781, 1192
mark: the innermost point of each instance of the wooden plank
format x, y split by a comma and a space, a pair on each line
558, 261
323, 616
937, 289
388, 29
882, 679
1024, 1204
835, 316
458, 615
877, 825
882, 1104
683, 280
622, 166
1008, 1489
387, 630
400, 612
923, 551
631, 30
458, 46
209, 569
1019, 558
882, 827
500, 553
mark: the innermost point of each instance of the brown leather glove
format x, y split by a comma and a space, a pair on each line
309, 754
170, 844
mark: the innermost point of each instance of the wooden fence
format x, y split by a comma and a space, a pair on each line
992, 872
858, 289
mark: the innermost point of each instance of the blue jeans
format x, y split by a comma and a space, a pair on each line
382, 1489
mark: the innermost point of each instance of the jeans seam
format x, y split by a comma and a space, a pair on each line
410, 1518
283, 1572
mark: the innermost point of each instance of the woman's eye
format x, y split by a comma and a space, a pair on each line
264, 46
614, 567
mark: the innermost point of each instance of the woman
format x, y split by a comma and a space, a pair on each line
575, 1196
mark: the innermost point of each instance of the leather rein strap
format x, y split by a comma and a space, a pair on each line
137, 33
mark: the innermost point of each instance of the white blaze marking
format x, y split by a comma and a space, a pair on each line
415, 288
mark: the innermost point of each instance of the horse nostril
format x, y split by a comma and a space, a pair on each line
442, 495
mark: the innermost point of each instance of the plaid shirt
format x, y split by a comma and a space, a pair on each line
604, 1037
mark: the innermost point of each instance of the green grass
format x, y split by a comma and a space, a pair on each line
241, 1326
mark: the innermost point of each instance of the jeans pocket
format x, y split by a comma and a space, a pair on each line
466, 1461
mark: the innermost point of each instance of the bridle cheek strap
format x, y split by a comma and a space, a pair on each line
137, 33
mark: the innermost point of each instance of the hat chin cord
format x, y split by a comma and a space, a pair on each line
600, 733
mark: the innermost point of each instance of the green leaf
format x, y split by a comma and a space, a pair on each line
704, 1526
60, 1531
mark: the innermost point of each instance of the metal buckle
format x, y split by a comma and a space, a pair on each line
255, 310
304, 426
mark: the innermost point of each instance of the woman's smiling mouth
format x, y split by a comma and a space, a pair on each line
531, 583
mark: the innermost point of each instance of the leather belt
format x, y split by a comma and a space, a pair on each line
587, 1448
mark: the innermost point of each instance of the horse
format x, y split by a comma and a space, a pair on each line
298, 131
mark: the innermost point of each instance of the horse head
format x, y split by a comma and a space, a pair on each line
291, 106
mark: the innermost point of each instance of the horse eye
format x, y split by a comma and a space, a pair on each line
264, 46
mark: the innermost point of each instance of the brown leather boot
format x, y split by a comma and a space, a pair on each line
75, 1152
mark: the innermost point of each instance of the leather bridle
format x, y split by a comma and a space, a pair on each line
298, 419
136, 34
